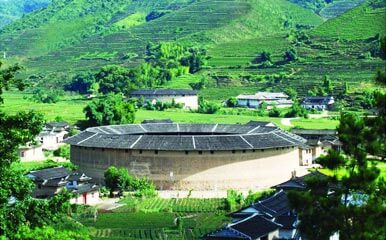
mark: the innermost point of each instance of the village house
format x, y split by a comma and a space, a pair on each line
268, 219
279, 100
320, 140
318, 103
31, 152
298, 183
188, 98
53, 134
51, 181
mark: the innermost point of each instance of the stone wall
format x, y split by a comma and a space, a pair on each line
197, 170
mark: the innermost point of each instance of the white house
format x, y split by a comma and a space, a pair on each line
279, 99
53, 134
188, 98
318, 103
31, 153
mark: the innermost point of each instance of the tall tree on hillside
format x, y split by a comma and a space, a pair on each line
351, 205
20, 214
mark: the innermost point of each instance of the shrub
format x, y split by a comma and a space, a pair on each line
63, 151
274, 112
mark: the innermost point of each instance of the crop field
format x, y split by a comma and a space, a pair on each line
195, 216
340, 60
184, 205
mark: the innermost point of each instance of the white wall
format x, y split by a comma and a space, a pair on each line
52, 141
252, 103
92, 199
31, 154
189, 102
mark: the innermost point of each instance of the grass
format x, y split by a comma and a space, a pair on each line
320, 123
70, 108
342, 172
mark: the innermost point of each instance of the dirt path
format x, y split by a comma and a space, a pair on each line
287, 122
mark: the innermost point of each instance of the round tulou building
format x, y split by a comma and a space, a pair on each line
192, 156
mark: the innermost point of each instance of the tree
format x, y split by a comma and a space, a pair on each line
296, 111
292, 93
265, 57
327, 85
114, 79
231, 102
63, 151
351, 205
207, 107
109, 110
291, 55
46, 95
18, 210
274, 112
82, 83
381, 77
119, 179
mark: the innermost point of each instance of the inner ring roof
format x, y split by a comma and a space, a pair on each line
185, 137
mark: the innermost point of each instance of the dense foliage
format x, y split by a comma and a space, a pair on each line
119, 179
12, 10
20, 214
351, 205
110, 110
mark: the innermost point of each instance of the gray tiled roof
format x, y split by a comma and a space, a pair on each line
179, 137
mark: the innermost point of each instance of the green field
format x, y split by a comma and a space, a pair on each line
155, 218
342, 172
321, 123
70, 108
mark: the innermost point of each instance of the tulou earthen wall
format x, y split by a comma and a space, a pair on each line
196, 170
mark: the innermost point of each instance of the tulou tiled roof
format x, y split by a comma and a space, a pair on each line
180, 137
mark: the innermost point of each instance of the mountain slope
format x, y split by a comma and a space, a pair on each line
361, 22
11, 10
123, 32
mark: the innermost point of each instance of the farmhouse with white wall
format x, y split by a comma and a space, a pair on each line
188, 98
280, 100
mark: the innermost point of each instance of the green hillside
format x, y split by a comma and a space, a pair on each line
71, 37
11, 10
345, 60
338, 7
361, 22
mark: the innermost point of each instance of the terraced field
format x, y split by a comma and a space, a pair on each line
157, 219
53, 46
184, 205
337, 8
359, 23
340, 60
